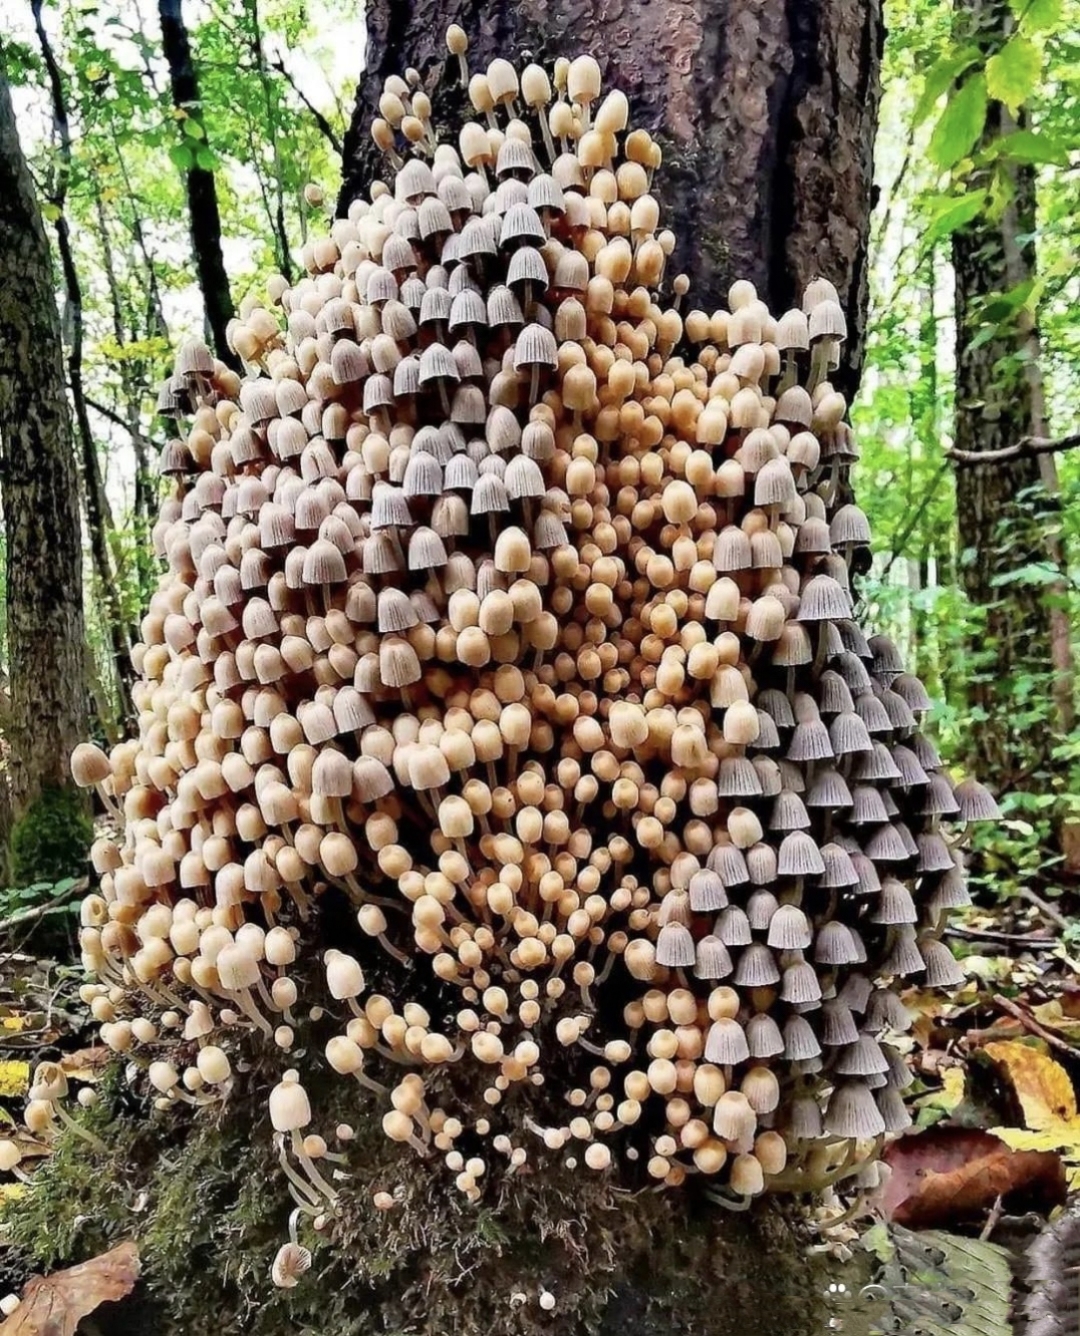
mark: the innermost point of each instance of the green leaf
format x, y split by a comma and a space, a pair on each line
1012, 74
182, 156
50, 212
960, 124
206, 158
952, 212
1031, 146
1037, 15
940, 77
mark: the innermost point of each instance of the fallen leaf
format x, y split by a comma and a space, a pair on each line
1061, 1014
1062, 1138
953, 1174
1042, 1085
54, 1305
86, 1064
14, 1079
941, 1103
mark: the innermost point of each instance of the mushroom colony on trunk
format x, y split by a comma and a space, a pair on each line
507, 601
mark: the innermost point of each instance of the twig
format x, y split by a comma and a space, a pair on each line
1047, 911
1030, 1023
1029, 445
996, 1212
995, 935
39, 911
320, 120
900, 540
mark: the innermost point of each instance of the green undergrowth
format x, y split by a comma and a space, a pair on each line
206, 1202
49, 841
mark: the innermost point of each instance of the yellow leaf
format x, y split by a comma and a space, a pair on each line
1042, 1086
13, 1023
14, 1079
11, 1192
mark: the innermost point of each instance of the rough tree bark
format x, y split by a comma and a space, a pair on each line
204, 216
765, 109
1005, 510
40, 493
99, 519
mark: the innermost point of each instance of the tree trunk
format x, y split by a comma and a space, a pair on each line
40, 493
203, 212
99, 520
766, 112
1006, 510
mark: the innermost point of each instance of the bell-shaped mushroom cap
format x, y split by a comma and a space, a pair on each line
756, 966
800, 985
976, 802
733, 927
835, 945
712, 960
800, 1043
893, 1110
726, 1043
707, 894
862, 1058
822, 599
799, 856
763, 1036
942, 968
852, 1112
789, 929
675, 946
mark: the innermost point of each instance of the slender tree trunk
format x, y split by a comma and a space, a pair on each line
765, 109
1006, 510
40, 494
204, 217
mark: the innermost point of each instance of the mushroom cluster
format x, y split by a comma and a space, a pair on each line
507, 600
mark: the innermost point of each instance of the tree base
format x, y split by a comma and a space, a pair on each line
207, 1203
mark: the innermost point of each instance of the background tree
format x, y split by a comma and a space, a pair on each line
41, 514
1006, 508
203, 213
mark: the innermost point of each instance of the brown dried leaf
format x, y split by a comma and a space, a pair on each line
950, 1175
54, 1305
86, 1064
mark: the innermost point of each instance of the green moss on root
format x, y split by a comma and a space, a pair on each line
50, 839
206, 1202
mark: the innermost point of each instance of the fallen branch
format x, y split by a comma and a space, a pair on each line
996, 935
1032, 1025
39, 911
1047, 911
1030, 445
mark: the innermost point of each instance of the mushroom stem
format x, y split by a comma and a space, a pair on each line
243, 999
91, 1140
303, 1190
309, 1168
728, 1202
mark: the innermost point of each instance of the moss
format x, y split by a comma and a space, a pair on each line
50, 839
206, 1202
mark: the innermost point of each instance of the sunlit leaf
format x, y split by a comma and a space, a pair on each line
1037, 148
960, 124
1038, 15
1013, 72
940, 77
953, 212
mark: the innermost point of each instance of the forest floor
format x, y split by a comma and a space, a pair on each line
991, 1163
